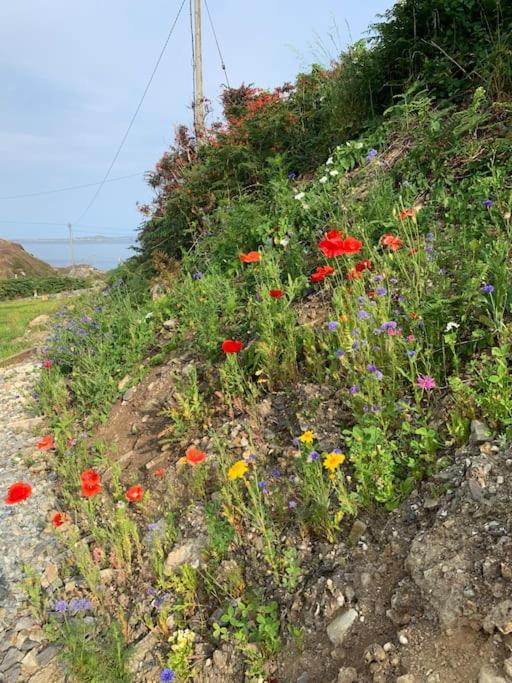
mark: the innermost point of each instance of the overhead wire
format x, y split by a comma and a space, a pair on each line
71, 187
132, 121
222, 61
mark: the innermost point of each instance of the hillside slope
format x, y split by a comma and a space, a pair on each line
15, 261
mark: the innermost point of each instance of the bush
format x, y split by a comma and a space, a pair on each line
26, 286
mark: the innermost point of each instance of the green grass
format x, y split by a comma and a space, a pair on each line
14, 319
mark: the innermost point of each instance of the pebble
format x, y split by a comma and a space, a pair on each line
25, 536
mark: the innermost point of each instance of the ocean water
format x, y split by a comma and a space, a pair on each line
101, 255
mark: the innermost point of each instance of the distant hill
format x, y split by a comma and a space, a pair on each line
15, 261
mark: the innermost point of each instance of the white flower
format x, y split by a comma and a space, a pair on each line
324, 179
299, 197
329, 162
284, 242
148, 316
452, 326
333, 173
305, 206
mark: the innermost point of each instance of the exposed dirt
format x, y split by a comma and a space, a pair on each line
14, 260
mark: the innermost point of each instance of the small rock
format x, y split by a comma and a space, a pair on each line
12, 657
480, 432
170, 324
303, 678
347, 674
128, 395
188, 553
29, 662
487, 675
476, 490
50, 575
406, 679
40, 320
340, 626
402, 638
500, 617
507, 666
366, 579
357, 530
124, 383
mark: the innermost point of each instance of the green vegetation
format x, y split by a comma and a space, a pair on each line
345, 297
14, 319
17, 288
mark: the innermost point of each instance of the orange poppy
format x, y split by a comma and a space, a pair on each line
59, 518
46, 443
230, 346
134, 493
251, 257
276, 293
391, 241
18, 492
194, 456
160, 472
321, 273
407, 213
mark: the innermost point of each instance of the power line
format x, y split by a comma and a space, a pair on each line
132, 121
62, 224
222, 62
72, 187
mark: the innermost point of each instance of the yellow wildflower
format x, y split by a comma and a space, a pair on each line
307, 438
333, 461
237, 470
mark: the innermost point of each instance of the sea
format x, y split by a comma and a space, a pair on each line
103, 255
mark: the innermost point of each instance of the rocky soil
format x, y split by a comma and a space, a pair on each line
26, 539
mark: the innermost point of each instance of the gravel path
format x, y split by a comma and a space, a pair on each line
26, 537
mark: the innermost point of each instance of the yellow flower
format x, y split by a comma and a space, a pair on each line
307, 438
237, 470
333, 460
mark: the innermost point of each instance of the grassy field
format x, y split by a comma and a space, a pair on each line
14, 319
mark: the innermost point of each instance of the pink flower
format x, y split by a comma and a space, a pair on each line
426, 383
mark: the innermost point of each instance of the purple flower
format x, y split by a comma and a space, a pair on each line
354, 389
371, 154
151, 591
153, 526
378, 375
313, 456
375, 408
84, 604
363, 315
197, 275
426, 382
296, 441
167, 676
390, 325
487, 289
361, 299
381, 291
429, 248
411, 354
356, 346
61, 606
263, 486
333, 325
378, 278
487, 203
275, 472
430, 236
340, 353
292, 175
371, 367
292, 504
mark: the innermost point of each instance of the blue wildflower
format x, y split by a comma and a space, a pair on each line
371, 154
411, 353
354, 389
487, 203
381, 291
313, 456
363, 315
340, 353
333, 325
292, 504
167, 676
487, 289
61, 606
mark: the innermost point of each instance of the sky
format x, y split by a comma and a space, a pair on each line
72, 74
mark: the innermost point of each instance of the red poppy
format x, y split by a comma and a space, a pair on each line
194, 456
332, 244
47, 363
230, 346
91, 483
59, 518
351, 245
250, 257
134, 493
276, 293
46, 443
321, 273
407, 213
160, 472
18, 492
364, 265
391, 241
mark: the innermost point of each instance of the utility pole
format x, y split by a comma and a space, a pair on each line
199, 114
71, 244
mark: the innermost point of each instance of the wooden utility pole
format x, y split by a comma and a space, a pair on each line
71, 244
199, 112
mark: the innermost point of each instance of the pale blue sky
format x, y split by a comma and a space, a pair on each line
72, 74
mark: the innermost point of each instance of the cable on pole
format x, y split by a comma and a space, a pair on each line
222, 62
132, 121
71, 187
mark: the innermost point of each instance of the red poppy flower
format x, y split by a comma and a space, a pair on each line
230, 346
391, 241
321, 273
46, 443
47, 364
351, 245
364, 265
90, 477
250, 257
89, 490
194, 456
332, 244
407, 213
160, 472
276, 293
59, 518
134, 493
18, 492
